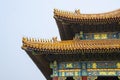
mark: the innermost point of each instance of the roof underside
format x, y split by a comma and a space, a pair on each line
70, 23
42, 63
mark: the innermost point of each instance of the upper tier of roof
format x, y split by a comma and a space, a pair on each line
78, 16
70, 23
71, 46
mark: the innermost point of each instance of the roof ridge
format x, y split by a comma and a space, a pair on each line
77, 14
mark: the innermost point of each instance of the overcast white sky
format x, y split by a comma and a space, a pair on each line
34, 18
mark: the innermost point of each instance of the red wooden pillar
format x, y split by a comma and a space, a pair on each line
55, 78
84, 77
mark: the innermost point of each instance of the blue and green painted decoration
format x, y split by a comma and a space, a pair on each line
91, 36
85, 68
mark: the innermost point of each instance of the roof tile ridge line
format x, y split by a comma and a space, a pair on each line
96, 14
63, 11
108, 12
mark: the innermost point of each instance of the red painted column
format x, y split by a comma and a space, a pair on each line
55, 78
84, 77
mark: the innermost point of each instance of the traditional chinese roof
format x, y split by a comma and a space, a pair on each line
70, 23
72, 46
77, 17
43, 52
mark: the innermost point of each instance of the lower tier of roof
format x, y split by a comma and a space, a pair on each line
43, 52
73, 46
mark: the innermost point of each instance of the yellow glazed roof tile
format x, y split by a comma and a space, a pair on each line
78, 15
110, 45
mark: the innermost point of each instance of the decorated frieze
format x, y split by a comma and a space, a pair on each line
104, 35
70, 72
102, 65
86, 68
68, 65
